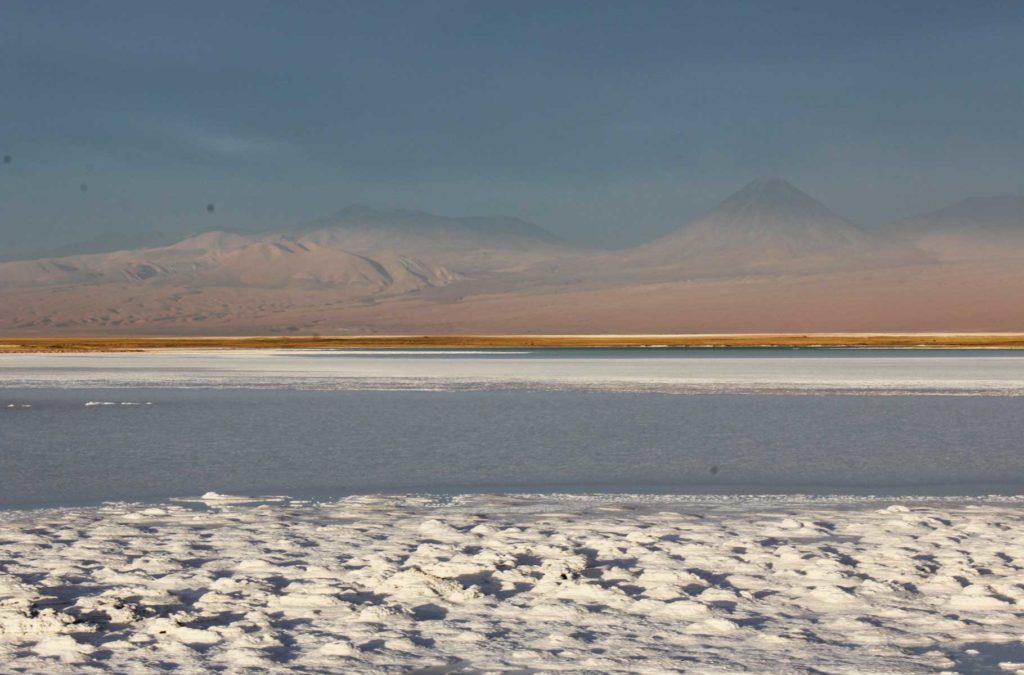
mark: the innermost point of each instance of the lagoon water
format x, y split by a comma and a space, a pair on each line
82, 429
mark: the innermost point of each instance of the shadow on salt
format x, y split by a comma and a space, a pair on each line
978, 658
982, 658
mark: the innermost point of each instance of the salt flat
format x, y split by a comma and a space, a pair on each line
875, 371
506, 583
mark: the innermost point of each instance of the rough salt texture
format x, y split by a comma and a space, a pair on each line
502, 583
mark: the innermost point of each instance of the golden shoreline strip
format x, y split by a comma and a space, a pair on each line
37, 344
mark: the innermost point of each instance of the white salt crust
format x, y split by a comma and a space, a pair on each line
834, 372
505, 583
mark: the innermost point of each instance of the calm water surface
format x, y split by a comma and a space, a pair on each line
192, 438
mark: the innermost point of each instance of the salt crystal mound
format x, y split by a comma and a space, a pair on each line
212, 498
496, 583
830, 371
90, 404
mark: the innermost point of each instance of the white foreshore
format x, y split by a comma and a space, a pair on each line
511, 583
838, 372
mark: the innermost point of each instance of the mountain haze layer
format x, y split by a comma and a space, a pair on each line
360, 228
474, 245
768, 258
974, 228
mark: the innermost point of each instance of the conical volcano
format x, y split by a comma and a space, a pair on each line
768, 224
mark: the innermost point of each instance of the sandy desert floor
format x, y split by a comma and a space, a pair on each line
973, 296
59, 344
515, 583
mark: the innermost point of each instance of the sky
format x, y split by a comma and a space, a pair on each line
609, 123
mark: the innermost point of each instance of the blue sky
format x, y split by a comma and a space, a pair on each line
607, 122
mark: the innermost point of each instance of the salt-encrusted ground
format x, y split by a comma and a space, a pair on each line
503, 583
671, 371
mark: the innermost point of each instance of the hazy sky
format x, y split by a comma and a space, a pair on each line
606, 122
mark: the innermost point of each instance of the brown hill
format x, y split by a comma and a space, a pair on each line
219, 259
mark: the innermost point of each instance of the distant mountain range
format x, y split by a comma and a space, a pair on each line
769, 257
358, 251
